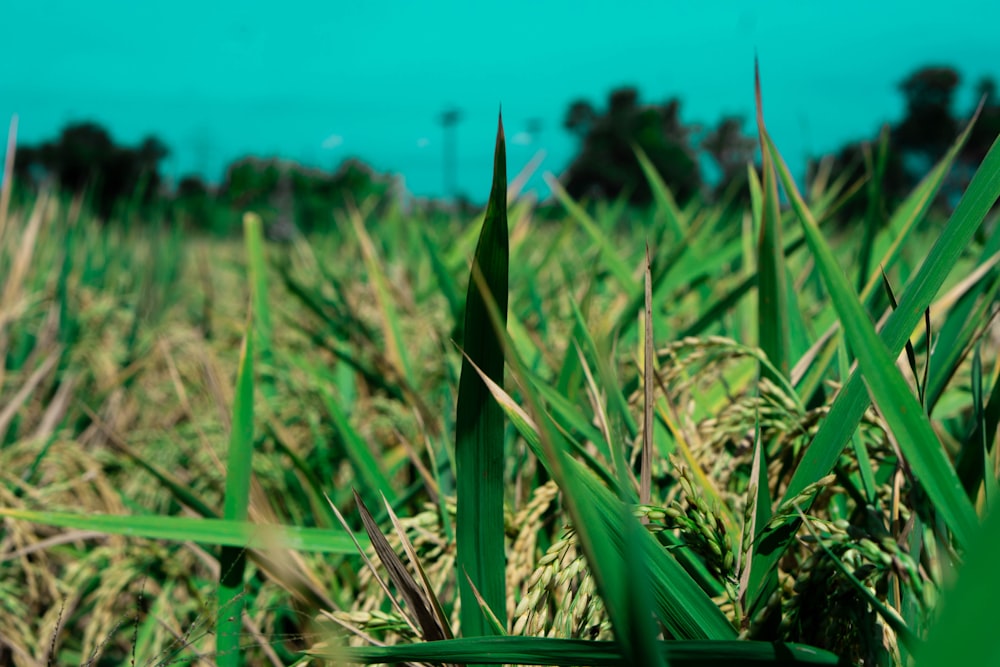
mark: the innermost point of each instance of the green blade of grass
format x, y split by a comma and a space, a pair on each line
774, 330
369, 469
684, 609
961, 324
875, 167
611, 258
846, 412
479, 427
554, 651
850, 404
756, 576
222, 532
257, 268
965, 630
887, 386
661, 194
617, 404
232, 560
446, 283
390, 318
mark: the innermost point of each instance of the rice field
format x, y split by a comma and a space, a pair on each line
694, 435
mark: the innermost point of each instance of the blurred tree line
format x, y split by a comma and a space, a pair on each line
122, 181
606, 165
85, 158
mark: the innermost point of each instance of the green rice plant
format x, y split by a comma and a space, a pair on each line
232, 561
850, 403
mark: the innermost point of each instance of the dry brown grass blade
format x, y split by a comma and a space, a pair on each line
15, 403
12, 300
428, 590
68, 537
807, 359
22, 259
518, 182
595, 397
371, 567
939, 309
56, 409
646, 471
8, 174
404, 582
750, 520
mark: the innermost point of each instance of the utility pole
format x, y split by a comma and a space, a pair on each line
449, 119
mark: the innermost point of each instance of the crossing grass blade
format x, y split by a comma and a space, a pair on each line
479, 426
220, 532
962, 323
911, 353
902, 225
553, 651
914, 208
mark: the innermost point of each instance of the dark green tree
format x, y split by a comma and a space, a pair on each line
918, 141
987, 127
606, 165
732, 151
291, 193
85, 158
929, 127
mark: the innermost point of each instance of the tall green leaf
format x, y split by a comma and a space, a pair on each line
774, 331
479, 426
232, 561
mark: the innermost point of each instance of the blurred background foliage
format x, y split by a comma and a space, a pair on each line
695, 161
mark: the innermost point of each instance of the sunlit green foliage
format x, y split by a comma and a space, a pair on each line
815, 486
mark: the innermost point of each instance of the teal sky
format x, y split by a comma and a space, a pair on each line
321, 81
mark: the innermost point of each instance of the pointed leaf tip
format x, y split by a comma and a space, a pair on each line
757, 94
